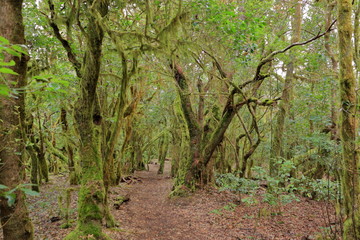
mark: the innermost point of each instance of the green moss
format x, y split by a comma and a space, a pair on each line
349, 227
180, 191
267, 102
109, 218
91, 210
65, 225
90, 204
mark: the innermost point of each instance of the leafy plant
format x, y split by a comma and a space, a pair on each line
228, 207
281, 189
217, 212
15, 50
318, 189
230, 182
10, 195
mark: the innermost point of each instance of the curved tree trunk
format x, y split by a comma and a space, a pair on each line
350, 158
16, 224
92, 192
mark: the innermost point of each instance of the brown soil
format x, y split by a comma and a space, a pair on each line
209, 214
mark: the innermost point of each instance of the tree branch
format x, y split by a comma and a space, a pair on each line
71, 55
258, 76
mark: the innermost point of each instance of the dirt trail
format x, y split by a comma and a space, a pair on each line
205, 215
150, 214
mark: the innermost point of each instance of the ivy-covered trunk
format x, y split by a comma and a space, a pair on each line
350, 158
15, 222
92, 192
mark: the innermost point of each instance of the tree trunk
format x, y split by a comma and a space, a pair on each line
34, 169
190, 172
43, 168
334, 66
16, 224
40, 149
177, 141
237, 153
163, 149
284, 106
92, 192
350, 158
70, 152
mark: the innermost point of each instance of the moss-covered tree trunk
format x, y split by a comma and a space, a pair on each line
193, 165
284, 106
357, 36
237, 153
92, 192
177, 140
138, 162
220, 160
40, 149
334, 67
70, 151
163, 149
350, 158
34, 169
16, 224
175, 158
192, 171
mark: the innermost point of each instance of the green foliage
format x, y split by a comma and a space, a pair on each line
216, 211
319, 189
229, 181
281, 189
50, 85
6, 88
228, 207
10, 194
238, 27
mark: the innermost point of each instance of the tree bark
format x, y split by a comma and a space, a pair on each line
16, 224
70, 152
191, 172
334, 66
350, 158
163, 149
92, 192
40, 149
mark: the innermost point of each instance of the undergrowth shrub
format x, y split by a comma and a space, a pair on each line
282, 189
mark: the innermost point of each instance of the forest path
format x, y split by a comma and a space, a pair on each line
205, 215
150, 214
